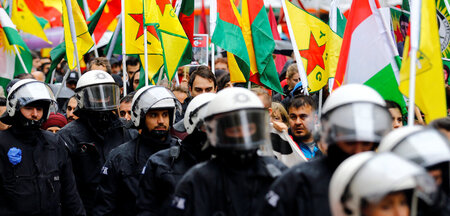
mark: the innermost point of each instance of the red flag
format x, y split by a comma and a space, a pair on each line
49, 11
280, 60
202, 27
111, 11
186, 18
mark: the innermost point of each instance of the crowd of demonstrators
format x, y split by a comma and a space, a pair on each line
204, 146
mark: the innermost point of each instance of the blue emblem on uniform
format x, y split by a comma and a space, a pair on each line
15, 155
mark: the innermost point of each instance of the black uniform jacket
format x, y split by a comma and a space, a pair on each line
89, 151
118, 189
302, 190
216, 188
164, 170
42, 182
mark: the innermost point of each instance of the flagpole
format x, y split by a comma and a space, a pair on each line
114, 39
10, 2
298, 58
124, 55
161, 71
145, 54
414, 43
333, 25
53, 76
20, 59
73, 34
87, 15
212, 27
63, 83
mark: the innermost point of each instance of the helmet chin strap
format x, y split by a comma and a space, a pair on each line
158, 134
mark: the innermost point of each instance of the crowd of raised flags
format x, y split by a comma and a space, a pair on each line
360, 48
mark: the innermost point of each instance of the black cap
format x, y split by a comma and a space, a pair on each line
73, 77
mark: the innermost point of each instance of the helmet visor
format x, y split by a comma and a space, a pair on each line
100, 97
239, 130
386, 174
31, 92
426, 148
358, 122
157, 97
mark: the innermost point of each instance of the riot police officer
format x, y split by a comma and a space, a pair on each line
95, 133
36, 175
235, 181
153, 110
164, 169
371, 184
429, 149
354, 119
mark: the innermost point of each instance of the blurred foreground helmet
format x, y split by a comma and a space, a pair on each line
354, 113
366, 178
29, 92
425, 146
97, 91
152, 97
236, 120
195, 111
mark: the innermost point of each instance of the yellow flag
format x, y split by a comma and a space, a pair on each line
26, 21
134, 38
134, 28
318, 45
173, 39
236, 75
155, 62
84, 39
430, 89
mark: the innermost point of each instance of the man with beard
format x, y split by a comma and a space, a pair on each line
164, 169
354, 119
71, 105
153, 110
95, 133
302, 118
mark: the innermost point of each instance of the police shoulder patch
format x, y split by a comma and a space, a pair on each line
178, 203
272, 198
105, 170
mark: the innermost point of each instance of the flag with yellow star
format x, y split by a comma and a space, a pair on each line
318, 45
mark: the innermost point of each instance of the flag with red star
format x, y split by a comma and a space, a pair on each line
318, 45
134, 38
160, 16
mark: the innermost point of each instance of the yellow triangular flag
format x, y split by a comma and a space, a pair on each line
84, 39
26, 21
173, 39
430, 89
